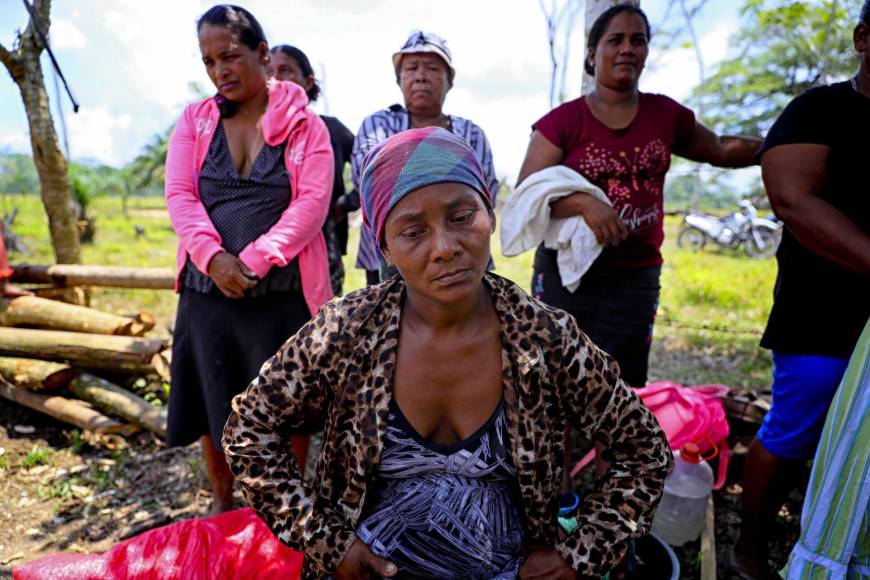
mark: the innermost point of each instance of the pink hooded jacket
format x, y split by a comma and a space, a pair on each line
298, 232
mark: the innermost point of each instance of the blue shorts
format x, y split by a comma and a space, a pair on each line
803, 387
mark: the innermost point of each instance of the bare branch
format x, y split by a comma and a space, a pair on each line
42, 10
6, 57
551, 41
10, 61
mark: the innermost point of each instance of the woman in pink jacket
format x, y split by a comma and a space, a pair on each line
248, 181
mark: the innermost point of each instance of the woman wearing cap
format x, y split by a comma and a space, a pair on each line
248, 176
621, 140
446, 392
425, 74
288, 63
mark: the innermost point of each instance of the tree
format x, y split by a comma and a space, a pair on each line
148, 169
560, 26
594, 8
784, 48
23, 64
17, 174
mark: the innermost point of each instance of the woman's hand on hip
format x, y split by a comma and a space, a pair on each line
546, 564
361, 563
230, 275
600, 217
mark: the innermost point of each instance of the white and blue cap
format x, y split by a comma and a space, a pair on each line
420, 41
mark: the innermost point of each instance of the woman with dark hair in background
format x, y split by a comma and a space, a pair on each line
621, 140
248, 178
288, 63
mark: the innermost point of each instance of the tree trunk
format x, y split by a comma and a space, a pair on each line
42, 313
111, 276
594, 9
66, 410
35, 375
97, 351
115, 400
25, 68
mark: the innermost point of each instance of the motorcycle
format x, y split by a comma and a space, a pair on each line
760, 236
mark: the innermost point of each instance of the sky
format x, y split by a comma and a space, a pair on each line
130, 63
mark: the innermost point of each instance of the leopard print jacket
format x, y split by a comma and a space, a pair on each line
336, 371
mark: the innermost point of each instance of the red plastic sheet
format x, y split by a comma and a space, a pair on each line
234, 545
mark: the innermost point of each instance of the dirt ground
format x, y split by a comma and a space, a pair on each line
93, 492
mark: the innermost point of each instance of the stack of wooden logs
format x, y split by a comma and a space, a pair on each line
52, 353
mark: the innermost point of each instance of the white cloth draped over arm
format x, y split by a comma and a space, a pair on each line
526, 222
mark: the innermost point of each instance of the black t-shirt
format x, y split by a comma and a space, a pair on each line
818, 307
341, 140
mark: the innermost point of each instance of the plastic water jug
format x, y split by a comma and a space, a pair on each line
681, 513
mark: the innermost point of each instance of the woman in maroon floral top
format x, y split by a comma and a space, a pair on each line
621, 140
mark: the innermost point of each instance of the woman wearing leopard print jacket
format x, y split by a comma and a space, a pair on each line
446, 392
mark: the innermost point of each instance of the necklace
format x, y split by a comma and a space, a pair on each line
854, 82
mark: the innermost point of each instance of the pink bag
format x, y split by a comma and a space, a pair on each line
687, 415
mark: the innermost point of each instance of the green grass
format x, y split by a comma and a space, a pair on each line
37, 456
713, 306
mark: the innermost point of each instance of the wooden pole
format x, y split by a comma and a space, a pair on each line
33, 311
112, 276
96, 351
115, 400
708, 543
66, 410
35, 375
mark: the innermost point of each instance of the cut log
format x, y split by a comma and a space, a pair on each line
39, 312
162, 363
71, 295
97, 351
66, 410
115, 400
112, 276
146, 320
35, 375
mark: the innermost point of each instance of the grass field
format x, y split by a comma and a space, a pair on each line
713, 304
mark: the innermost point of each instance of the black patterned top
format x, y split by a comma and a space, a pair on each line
446, 511
244, 208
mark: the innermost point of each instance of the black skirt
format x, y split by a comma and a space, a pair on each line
218, 348
615, 307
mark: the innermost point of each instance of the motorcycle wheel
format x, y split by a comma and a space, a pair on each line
762, 243
691, 238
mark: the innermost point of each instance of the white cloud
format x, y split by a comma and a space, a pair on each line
499, 52
95, 133
159, 40
499, 48
18, 142
65, 35
676, 72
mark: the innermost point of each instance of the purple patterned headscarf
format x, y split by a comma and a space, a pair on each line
410, 160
